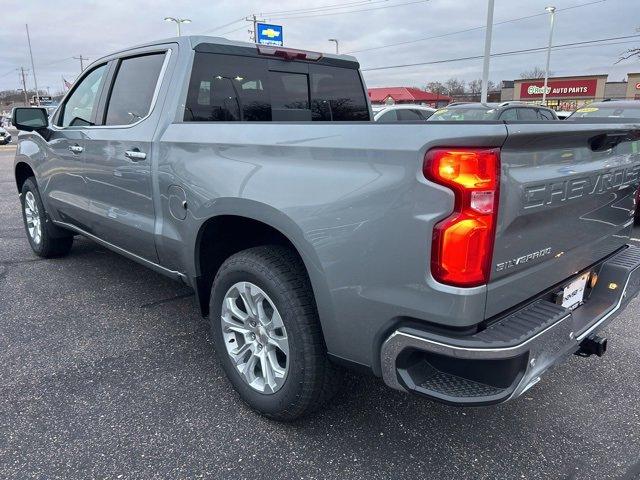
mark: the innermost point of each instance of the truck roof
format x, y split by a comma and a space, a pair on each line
205, 43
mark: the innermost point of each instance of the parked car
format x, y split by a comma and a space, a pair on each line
627, 109
5, 136
492, 112
458, 262
403, 113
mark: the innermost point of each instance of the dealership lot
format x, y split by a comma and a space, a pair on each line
107, 370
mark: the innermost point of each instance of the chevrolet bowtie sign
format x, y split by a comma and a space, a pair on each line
268, 34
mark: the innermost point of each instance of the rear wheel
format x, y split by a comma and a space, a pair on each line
46, 240
267, 333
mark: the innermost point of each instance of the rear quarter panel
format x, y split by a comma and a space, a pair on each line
351, 198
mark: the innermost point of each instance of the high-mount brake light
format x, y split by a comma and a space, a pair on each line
288, 53
462, 247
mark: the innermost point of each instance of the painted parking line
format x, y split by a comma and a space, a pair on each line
635, 239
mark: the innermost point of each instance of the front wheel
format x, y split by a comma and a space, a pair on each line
267, 334
46, 240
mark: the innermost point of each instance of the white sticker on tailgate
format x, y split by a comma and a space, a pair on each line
574, 292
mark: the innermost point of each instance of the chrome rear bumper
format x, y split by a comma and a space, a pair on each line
507, 358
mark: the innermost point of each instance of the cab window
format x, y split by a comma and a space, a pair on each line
545, 115
388, 117
509, 114
527, 114
235, 88
407, 115
133, 89
79, 108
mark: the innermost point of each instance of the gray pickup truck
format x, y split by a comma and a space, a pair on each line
456, 260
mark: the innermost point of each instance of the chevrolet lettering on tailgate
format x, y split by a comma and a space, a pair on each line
538, 195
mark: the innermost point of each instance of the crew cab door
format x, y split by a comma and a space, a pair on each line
118, 154
64, 184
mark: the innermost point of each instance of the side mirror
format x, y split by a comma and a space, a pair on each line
29, 119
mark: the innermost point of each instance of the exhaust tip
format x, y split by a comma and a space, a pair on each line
592, 345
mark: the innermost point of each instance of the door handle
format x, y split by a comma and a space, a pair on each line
135, 155
76, 148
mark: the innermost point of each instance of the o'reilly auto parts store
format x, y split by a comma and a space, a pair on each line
569, 93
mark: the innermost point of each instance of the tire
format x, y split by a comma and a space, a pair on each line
280, 281
46, 240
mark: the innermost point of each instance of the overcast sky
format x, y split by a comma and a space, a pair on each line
63, 29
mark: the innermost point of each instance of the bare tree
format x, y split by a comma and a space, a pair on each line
475, 86
454, 87
435, 87
535, 72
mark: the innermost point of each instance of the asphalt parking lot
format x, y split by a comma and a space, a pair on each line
107, 371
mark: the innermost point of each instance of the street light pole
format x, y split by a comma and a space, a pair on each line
552, 11
487, 53
335, 40
177, 21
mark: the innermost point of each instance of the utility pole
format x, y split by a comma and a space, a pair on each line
487, 53
81, 58
552, 11
33, 68
253, 34
24, 86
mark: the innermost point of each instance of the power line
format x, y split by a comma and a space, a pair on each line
299, 10
9, 72
242, 27
325, 7
501, 54
220, 27
56, 61
349, 11
471, 29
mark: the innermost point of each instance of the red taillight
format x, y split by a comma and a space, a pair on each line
288, 53
462, 245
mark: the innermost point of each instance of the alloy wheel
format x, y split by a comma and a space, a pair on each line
33, 218
255, 337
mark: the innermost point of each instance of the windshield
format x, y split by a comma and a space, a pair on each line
608, 112
459, 114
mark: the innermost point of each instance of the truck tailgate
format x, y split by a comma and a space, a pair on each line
567, 198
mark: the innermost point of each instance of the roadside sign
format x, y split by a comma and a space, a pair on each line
269, 34
43, 99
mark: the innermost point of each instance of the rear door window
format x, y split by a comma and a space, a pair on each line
527, 114
509, 114
406, 115
545, 115
388, 117
235, 88
133, 89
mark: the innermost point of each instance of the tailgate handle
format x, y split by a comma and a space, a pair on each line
605, 141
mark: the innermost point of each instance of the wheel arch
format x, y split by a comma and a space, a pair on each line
232, 230
22, 171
